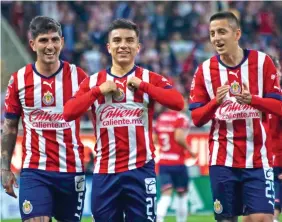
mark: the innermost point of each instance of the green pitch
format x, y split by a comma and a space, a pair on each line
192, 218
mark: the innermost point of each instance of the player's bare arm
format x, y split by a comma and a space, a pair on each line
221, 93
108, 87
134, 83
8, 142
245, 97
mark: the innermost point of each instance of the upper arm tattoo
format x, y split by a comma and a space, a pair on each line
8, 141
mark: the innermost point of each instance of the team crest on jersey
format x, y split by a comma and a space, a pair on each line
119, 95
235, 88
48, 98
217, 207
27, 207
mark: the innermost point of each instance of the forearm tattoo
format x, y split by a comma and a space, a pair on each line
8, 141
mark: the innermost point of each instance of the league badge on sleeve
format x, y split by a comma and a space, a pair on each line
235, 88
27, 207
217, 207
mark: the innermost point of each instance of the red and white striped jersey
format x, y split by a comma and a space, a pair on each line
239, 134
49, 143
123, 121
171, 153
276, 131
275, 125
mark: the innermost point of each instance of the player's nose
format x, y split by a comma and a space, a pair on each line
123, 44
50, 45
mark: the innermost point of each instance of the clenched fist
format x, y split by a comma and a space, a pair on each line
134, 83
108, 87
221, 92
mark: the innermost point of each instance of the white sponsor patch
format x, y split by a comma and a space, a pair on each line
150, 184
268, 173
231, 110
79, 183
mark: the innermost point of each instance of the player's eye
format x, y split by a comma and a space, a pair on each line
43, 40
56, 40
222, 32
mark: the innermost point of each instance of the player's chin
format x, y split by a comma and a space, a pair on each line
125, 61
51, 61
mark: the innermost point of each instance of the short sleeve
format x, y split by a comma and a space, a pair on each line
13, 106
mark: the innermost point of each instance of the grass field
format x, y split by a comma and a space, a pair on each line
192, 218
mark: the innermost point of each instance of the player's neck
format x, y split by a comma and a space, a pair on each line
233, 59
119, 70
47, 70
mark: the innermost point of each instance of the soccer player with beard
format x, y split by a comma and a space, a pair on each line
236, 90
276, 130
122, 100
52, 180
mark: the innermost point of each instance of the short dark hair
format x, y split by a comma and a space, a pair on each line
42, 25
226, 15
123, 24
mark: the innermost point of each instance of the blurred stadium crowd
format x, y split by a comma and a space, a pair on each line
174, 35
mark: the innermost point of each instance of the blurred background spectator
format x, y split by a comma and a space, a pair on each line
174, 35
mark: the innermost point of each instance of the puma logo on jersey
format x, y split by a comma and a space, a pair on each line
192, 97
151, 218
120, 83
48, 84
234, 73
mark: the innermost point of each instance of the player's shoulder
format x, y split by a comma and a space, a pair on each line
100, 73
252, 53
209, 63
23, 71
169, 115
150, 72
74, 68
166, 116
181, 115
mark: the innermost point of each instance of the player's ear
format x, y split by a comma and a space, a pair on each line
238, 34
32, 44
63, 42
109, 48
139, 47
